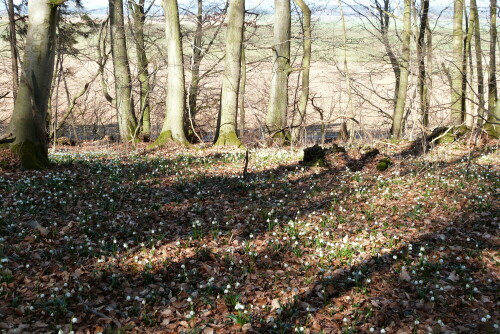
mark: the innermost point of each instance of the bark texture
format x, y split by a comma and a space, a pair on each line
492, 80
278, 101
139, 18
422, 70
13, 48
306, 69
127, 122
479, 61
457, 115
397, 122
232, 73
28, 123
173, 125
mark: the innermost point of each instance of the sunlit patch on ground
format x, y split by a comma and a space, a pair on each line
178, 241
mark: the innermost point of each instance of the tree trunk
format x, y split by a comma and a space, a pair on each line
13, 48
479, 61
346, 132
173, 125
492, 81
469, 32
231, 79
195, 70
139, 17
241, 98
306, 70
278, 101
28, 123
384, 19
127, 122
397, 122
457, 115
422, 70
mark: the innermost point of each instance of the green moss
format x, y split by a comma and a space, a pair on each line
446, 135
229, 139
493, 130
384, 164
4, 146
32, 156
163, 139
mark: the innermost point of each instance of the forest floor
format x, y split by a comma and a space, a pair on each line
116, 240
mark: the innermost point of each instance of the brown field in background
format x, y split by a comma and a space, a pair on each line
372, 81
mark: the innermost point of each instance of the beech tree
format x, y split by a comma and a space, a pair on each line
27, 128
227, 135
278, 99
397, 121
422, 70
138, 11
127, 122
173, 124
306, 69
457, 112
479, 61
493, 125
13, 47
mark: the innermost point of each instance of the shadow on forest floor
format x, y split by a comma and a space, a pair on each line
182, 243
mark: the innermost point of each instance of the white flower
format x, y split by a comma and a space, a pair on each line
74, 320
239, 307
382, 331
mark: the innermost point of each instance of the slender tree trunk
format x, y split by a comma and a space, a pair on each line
469, 32
457, 115
127, 122
195, 70
241, 99
13, 48
28, 123
479, 61
492, 81
384, 18
278, 101
422, 70
306, 70
232, 75
347, 132
397, 123
139, 17
173, 125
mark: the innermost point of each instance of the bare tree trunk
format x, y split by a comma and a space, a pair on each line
422, 70
13, 48
492, 81
195, 69
457, 112
306, 70
469, 32
384, 18
479, 61
173, 125
397, 122
28, 123
278, 101
127, 122
241, 98
346, 132
231, 79
139, 17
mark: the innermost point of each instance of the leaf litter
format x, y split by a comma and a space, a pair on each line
177, 241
